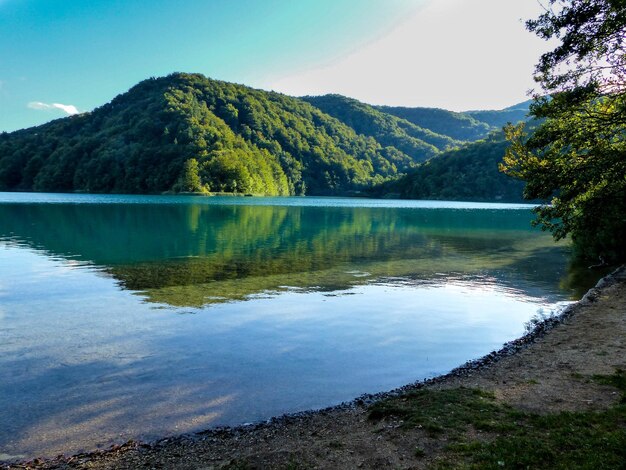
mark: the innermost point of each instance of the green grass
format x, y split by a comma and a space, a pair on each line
450, 411
581, 440
591, 440
617, 380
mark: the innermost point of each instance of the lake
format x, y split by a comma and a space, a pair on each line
145, 316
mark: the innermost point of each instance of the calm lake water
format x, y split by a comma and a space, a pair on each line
143, 316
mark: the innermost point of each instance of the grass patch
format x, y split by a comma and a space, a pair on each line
450, 411
589, 439
617, 380
566, 440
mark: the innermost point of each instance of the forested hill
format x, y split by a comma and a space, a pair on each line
185, 132
468, 173
468, 125
498, 119
188, 133
418, 142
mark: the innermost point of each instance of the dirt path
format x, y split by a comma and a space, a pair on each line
542, 373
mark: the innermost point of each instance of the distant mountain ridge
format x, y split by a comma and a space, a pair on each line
513, 114
457, 125
189, 133
464, 126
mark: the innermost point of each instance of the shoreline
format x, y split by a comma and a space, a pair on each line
221, 447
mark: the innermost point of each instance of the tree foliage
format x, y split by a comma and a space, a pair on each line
469, 173
591, 54
576, 159
189, 180
419, 143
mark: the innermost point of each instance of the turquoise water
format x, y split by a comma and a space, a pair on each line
143, 316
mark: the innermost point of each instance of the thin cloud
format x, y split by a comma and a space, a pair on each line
68, 109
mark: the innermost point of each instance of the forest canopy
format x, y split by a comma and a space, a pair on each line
468, 173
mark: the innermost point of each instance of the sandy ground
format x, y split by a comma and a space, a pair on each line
539, 373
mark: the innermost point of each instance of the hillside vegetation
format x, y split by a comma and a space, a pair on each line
465, 126
502, 117
456, 125
389, 130
467, 173
188, 133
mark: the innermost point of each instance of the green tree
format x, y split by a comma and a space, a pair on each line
576, 159
189, 181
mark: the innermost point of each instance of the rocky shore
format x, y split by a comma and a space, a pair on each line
549, 370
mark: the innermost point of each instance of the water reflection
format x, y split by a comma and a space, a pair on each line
196, 254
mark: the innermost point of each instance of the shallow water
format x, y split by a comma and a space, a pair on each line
143, 316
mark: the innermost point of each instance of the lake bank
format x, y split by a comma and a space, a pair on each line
548, 373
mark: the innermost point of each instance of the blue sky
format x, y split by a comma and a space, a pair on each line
58, 57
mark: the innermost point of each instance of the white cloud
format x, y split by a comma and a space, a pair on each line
68, 109
455, 54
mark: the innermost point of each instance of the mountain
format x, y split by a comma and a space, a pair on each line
455, 125
468, 125
500, 118
186, 132
389, 130
467, 173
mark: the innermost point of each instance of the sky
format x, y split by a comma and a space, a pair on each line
62, 57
